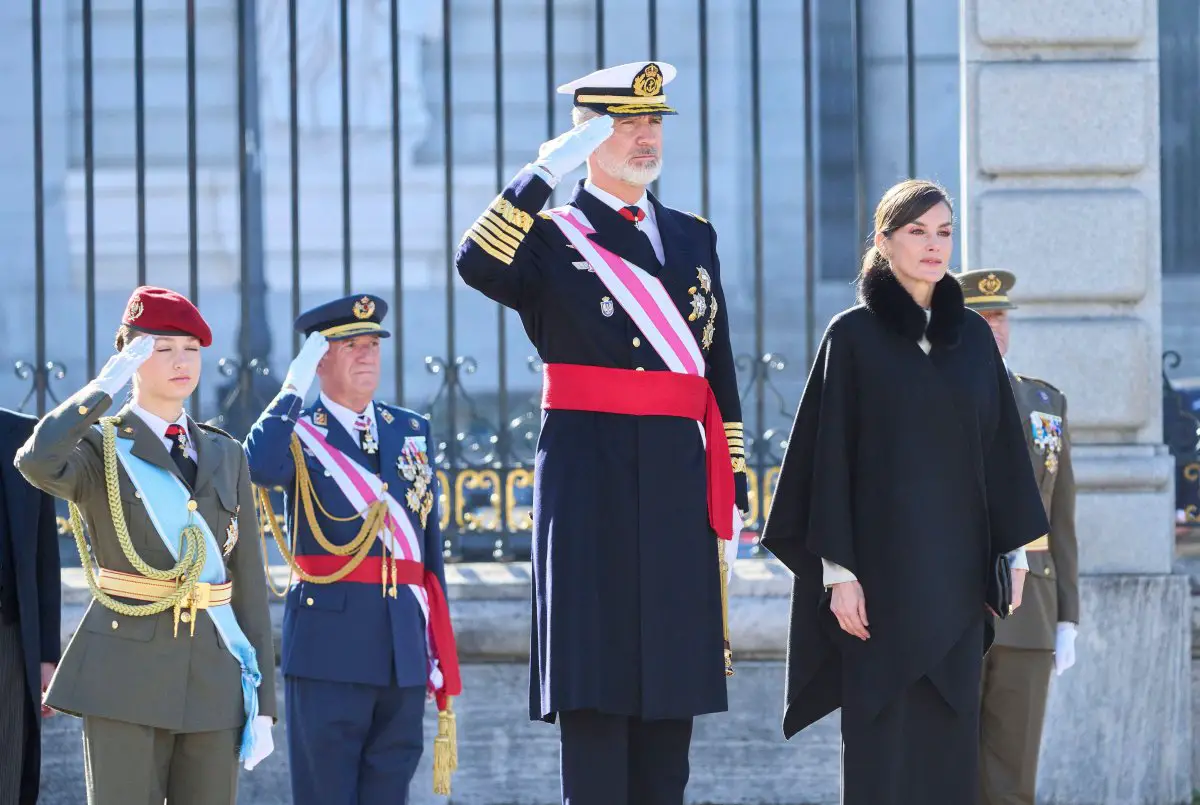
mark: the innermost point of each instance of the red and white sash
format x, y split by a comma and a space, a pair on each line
362, 488
639, 294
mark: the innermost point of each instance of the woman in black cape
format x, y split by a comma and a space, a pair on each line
906, 476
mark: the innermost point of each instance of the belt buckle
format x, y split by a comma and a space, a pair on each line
201, 597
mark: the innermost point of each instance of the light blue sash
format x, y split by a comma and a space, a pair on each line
165, 499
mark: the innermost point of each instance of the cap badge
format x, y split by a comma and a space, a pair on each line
990, 284
363, 308
648, 82
134, 310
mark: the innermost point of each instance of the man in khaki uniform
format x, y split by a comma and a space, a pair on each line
170, 688
1040, 635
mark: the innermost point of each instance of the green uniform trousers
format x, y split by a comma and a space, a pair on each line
1015, 687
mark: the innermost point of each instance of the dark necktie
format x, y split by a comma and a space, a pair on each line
187, 468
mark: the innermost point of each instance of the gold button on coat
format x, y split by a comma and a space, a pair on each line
83, 410
309, 602
114, 624
185, 616
637, 342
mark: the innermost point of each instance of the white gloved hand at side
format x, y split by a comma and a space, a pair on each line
730, 546
121, 367
264, 743
303, 370
1064, 647
569, 150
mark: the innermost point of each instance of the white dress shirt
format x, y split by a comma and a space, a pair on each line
649, 224
832, 573
346, 418
160, 425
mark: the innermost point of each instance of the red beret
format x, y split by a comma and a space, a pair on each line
159, 311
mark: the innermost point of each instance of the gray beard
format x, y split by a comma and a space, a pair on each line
631, 174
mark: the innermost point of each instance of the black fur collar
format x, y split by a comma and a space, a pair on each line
883, 294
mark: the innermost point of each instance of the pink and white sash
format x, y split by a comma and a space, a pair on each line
639, 294
362, 488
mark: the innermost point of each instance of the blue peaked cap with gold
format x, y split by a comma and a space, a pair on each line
350, 316
626, 90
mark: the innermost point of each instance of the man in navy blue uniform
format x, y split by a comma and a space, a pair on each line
366, 632
636, 508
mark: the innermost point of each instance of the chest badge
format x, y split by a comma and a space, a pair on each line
1047, 433
386, 416
699, 304
583, 265
413, 466
231, 532
606, 307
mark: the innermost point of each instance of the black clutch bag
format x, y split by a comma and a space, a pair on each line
999, 588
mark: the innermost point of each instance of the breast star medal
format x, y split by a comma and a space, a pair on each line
231, 532
705, 279
413, 466
699, 304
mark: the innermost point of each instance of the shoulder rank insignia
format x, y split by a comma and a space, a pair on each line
386, 415
1047, 433
231, 532
699, 218
321, 419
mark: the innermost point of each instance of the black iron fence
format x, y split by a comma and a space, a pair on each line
483, 398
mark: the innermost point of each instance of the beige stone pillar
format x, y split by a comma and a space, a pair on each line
1060, 153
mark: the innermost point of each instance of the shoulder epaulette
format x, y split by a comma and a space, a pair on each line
699, 218
1037, 381
214, 429
544, 214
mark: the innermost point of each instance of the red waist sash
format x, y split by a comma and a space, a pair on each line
572, 387
441, 632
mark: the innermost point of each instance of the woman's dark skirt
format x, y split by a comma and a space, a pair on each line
918, 750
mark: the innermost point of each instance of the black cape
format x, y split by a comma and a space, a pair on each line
911, 471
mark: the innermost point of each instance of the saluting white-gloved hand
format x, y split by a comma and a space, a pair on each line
569, 150
304, 366
1064, 647
124, 365
264, 744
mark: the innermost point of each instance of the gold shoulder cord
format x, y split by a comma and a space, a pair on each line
357, 549
186, 571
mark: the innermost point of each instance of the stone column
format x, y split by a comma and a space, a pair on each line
1061, 179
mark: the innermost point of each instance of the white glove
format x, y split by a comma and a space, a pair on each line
304, 367
568, 151
730, 546
122, 366
1064, 647
264, 744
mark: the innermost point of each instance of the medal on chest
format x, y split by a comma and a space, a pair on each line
414, 467
231, 532
1046, 430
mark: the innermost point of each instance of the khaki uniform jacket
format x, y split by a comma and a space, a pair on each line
134, 668
1051, 590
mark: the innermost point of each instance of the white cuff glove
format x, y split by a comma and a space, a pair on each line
264, 744
304, 366
568, 151
124, 365
1064, 647
730, 546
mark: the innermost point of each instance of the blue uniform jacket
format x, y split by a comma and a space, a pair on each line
346, 631
627, 607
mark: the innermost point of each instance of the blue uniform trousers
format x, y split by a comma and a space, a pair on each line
623, 760
352, 744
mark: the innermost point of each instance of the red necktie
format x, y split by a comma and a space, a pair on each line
633, 214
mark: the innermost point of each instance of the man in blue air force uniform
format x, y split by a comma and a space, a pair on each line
364, 631
634, 505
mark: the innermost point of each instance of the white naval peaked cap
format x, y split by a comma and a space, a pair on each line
635, 88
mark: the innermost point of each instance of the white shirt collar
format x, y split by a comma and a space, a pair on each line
616, 203
346, 417
157, 423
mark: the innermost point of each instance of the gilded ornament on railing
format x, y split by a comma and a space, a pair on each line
480, 518
520, 517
